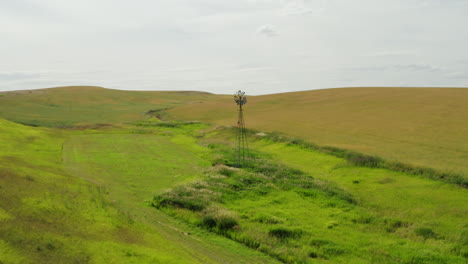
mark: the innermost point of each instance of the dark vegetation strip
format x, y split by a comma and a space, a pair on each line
170, 124
371, 161
44, 123
160, 114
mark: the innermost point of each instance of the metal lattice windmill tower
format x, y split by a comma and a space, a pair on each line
242, 145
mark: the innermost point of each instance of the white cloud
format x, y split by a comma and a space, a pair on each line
267, 30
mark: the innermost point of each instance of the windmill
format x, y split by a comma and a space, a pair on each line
242, 145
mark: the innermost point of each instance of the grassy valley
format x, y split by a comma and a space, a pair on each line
67, 198
108, 176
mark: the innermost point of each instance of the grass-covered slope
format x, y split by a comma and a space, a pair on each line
303, 206
421, 126
83, 195
85, 105
79, 197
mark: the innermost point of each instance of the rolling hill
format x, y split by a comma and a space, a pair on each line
421, 126
94, 175
85, 105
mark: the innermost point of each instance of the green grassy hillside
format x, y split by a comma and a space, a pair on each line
420, 126
303, 206
85, 105
79, 197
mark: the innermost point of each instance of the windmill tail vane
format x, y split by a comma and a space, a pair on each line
242, 144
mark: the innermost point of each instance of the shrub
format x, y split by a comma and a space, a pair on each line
182, 203
364, 219
320, 243
363, 160
326, 248
226, 222
208, 221
251, 243
331, 224
393, 224
331, 251
267, 219
313, 254
168, 124
194, 198
425, 232
219, 218
284, 233
158, 113
226, 172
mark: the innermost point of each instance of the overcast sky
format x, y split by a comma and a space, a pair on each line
220, 46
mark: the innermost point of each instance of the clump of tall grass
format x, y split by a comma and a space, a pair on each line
194, 197
326, 249
268, 219
426, 233
285, 233
219, 218
393, 224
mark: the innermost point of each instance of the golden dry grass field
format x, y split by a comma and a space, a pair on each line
418, 126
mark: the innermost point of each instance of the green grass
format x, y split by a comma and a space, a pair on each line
364, 160
332, 212
82, 193
59, 206
410, 198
